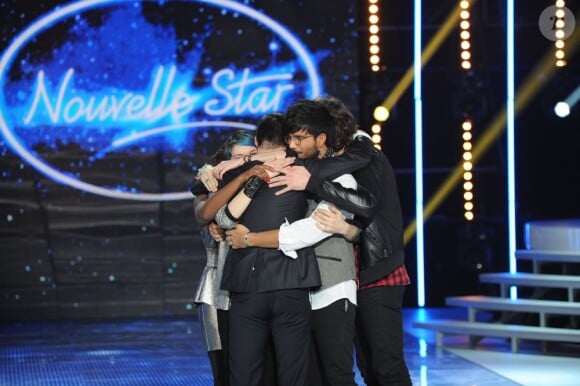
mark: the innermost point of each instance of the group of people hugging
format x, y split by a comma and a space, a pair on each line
302, 226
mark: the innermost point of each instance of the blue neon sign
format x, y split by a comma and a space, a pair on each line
117, 81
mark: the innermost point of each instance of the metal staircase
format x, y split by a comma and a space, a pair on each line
553, 242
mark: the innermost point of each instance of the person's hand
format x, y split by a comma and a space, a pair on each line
293, 178
263, 171
220, 169
330, 220
235, 236
279, 165
216, 231
205, 175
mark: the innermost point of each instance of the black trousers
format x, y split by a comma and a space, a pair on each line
379, 336
219, 358
332, 345
284, 315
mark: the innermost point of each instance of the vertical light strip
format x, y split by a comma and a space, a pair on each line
510, 129
467, 124
468, 196
374, 38
418, 154
559, 33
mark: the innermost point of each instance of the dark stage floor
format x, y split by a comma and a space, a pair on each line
167, 351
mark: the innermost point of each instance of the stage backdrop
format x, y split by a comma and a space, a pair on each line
107, 109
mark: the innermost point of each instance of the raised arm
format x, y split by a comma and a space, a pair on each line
291, 236
360, 202
224, 194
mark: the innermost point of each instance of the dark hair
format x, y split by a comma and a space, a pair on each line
311, 116
344, 122
271, 129
241, 137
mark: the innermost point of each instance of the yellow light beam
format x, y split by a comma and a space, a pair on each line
435, 42
532, 84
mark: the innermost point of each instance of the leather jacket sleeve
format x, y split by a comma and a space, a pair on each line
358, 201
358, 156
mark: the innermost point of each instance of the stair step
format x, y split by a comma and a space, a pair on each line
513, 331
531, 279
516, 305
548, 255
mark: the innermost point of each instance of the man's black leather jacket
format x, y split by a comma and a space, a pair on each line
381, 239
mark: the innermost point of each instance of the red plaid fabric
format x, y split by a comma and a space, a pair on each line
399, 276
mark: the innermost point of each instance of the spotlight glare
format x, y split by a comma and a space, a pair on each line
381, 113
562, 109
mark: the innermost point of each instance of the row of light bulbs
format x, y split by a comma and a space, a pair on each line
559, 33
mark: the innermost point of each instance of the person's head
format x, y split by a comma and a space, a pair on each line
310, 131
270, 131
241, 143
344, 122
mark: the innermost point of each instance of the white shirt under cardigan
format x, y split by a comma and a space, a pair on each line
304, 233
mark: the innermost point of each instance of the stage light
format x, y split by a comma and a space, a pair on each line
465, 35
468, 204
381, 113
559, 33
374, 39
563, 108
